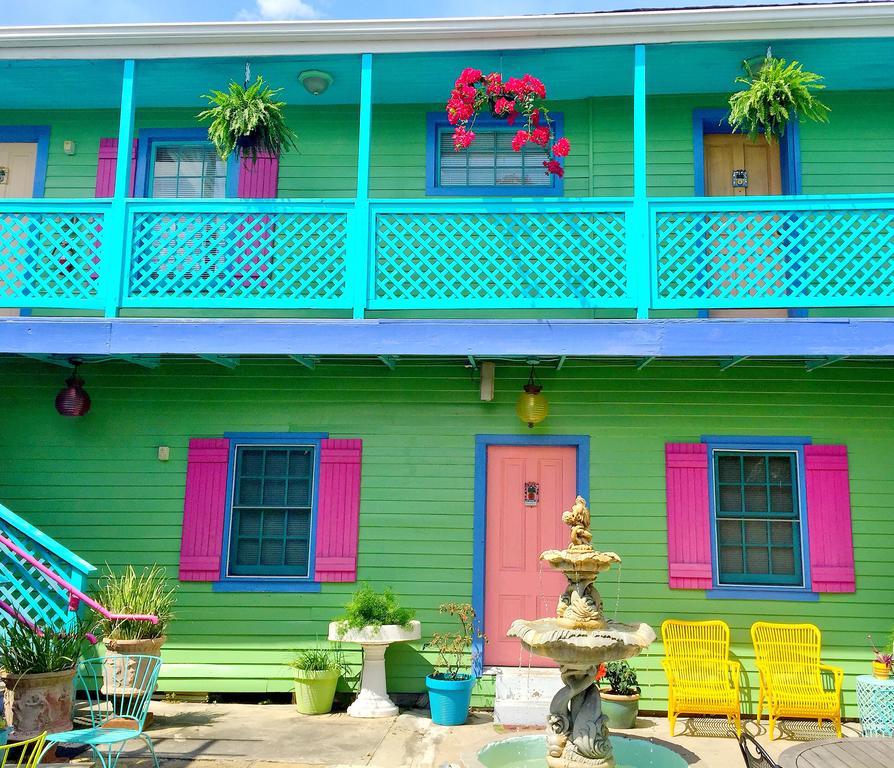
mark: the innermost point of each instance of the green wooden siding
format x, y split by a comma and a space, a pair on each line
849, 155
96, 484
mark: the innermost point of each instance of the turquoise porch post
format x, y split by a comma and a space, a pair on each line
360, 254
639, 238
115, 250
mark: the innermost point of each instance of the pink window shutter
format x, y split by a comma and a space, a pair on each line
204, 509
338, 510
829, 518
258, 179
688, 516
105, 168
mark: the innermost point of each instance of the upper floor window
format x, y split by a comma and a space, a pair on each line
758, 518
489, 166
272, 510
186, 170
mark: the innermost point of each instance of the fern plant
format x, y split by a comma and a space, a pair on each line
368, 608
777, 92
248, 121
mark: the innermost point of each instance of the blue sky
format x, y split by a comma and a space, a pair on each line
18, 12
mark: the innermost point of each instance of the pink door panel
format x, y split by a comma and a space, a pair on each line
516, 587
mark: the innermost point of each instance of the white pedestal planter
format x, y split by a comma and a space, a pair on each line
373, 701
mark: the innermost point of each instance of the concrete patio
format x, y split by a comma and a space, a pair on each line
189, 735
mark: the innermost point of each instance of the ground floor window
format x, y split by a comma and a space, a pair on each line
272, 510
757, 518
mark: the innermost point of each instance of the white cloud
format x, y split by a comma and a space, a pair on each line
279, 10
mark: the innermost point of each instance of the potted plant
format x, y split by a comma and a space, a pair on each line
247, 120
881, 665
776, 92
316, 674
38, 669
474, 92
128, 592
620, 696
450, 686
374, 620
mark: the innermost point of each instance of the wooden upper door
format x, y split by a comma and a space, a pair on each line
517, 584
735, 166
18, 164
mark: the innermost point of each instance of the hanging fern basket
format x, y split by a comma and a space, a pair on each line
248, 120
776, 93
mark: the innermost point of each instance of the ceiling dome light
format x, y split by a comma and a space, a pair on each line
531, 406
73, 399
315, 81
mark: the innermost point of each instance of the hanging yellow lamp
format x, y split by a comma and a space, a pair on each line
531, 406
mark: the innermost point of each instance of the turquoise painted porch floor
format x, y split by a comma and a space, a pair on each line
189, 735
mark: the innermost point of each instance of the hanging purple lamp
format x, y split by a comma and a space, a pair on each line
73, 399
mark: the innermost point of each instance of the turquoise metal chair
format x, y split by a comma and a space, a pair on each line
118, 690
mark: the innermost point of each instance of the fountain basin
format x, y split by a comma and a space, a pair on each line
530, 752
582, 647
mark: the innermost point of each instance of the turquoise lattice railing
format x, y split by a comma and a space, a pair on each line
24, 588
773, 252
51, 253
231, 254
508, 254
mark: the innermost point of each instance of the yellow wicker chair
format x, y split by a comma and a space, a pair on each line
791, 675
22, 754
701, 678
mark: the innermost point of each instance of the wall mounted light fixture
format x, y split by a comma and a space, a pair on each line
315, 81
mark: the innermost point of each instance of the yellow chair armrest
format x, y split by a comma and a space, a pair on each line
837, 672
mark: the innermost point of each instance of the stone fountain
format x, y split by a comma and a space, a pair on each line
579, 638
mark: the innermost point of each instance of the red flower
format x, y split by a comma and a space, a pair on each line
510, 118
468, 77
601, 672
519, 140
462, 138
494, 84
535, 118
535, 86
540, 135
554, 167
503, 106
562, 147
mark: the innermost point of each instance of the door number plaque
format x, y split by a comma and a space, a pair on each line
740, 178
4, 174
532, 494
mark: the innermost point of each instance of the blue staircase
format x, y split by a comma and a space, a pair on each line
44, 597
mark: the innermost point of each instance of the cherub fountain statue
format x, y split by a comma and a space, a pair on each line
580, 638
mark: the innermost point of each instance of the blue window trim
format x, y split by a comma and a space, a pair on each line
437, 121
479, 518
146, 137
758, 443
714, 121
40, 135
307, 583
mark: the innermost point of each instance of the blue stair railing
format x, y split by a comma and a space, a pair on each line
42, 583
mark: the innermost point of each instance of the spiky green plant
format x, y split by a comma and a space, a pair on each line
316, 660
777, 92
25, 651
147, 592
248, 120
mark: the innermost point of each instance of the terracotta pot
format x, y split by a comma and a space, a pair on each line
122, 677
33, 704
620, 711
880, 671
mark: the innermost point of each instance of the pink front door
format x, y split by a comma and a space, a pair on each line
515, 585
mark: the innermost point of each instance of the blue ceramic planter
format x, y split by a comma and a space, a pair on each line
4, 736
449, 699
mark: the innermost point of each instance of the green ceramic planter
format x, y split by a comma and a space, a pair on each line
314, 691
620, 711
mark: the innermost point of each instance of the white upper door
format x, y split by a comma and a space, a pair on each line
18, 164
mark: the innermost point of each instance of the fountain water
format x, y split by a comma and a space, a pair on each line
579, 638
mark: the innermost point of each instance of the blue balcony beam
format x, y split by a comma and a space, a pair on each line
359, 253
115, 224
638, 226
